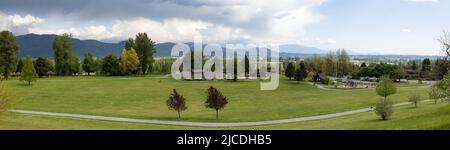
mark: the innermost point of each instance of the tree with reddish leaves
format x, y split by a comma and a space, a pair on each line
176, 102
215, 100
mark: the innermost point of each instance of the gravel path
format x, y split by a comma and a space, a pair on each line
203, 124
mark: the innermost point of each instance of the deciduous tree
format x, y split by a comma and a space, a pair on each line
176, 102
28, 72
385, 87
89, 63
130, 61
215, 100
9, 49
66, 62
414, 98
301, 73
111, 65
42, 66
290, 69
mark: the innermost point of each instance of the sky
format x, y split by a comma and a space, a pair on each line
364, 26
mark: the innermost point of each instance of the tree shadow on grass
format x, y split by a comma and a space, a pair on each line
22, 84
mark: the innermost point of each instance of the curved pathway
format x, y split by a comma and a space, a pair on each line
203, 124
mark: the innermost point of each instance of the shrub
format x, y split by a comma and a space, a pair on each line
384, 109
435, 94
325, 81
6, 100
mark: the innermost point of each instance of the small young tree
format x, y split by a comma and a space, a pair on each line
385, 87
384, 109
6, 100
290, 69
414, 98
443, 88
176, 102
435, 93
88, 63
215, 100
28, 72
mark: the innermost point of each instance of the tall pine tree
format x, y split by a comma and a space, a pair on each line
145, 49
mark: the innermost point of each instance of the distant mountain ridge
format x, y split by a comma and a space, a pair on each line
35, 45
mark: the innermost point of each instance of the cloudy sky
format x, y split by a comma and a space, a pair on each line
367, 26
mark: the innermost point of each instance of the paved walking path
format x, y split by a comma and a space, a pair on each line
203, 124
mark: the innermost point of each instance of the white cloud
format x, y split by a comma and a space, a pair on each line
174, 30
17, 23
406, 30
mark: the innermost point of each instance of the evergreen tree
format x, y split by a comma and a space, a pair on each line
145, 48
289, 71
129, 44
426, 65
363, 65
414, 66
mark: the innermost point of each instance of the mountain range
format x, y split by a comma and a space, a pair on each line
35, 45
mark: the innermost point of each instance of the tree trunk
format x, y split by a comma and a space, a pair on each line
6, 74
29, 83
217, 114
179, 116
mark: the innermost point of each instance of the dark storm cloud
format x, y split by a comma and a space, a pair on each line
115, 9
217, 12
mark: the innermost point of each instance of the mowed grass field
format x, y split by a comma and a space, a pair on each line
144, 98
428, 116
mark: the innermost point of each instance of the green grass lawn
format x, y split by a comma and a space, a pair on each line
426, 116
144, 98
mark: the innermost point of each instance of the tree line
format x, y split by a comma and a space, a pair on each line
137, 58
338, 64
